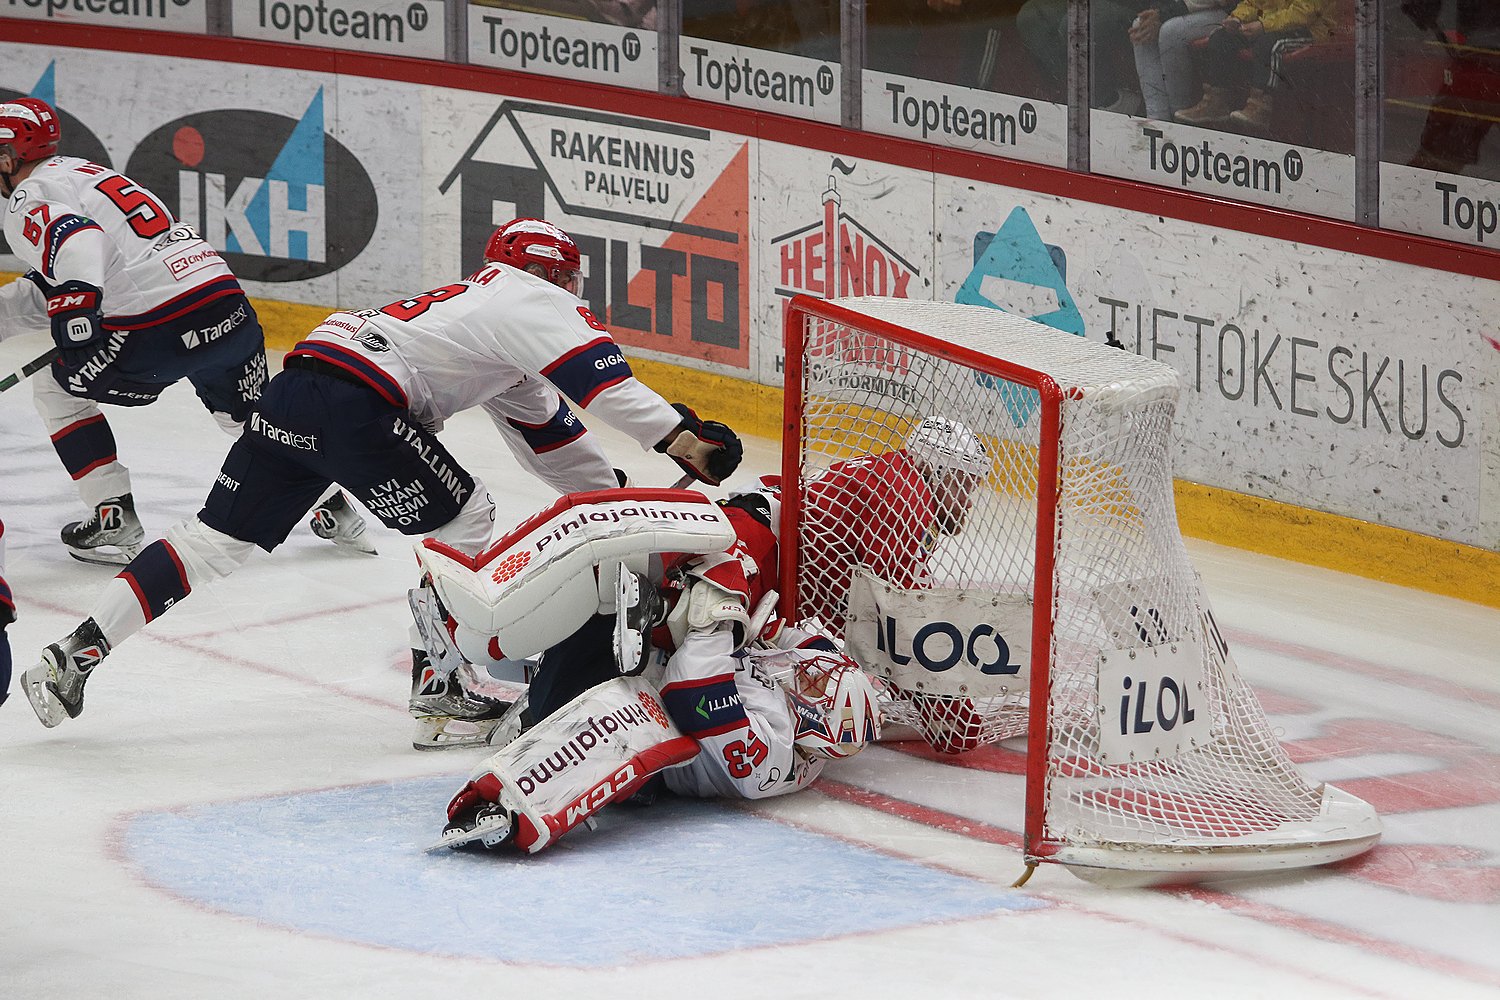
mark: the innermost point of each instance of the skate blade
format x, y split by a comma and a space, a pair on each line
47, 706
120, 557
491, 826
443, 733
360, 544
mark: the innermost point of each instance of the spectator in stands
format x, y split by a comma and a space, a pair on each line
630, 13
950, 41
1461, 113
806, 27
1241, 60
1163, 36
1043, 25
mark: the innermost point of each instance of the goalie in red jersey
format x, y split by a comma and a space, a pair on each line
874, 523
883, 512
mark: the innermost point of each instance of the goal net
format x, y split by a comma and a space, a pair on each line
981, 508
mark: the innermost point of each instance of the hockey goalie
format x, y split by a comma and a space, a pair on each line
660, 662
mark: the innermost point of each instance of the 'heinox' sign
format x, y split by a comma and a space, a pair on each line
281, 199
835, 254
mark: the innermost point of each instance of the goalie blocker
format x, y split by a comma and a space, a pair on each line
599, 748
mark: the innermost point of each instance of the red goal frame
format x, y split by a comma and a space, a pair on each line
799, 313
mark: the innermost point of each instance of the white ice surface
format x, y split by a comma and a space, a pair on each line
239, 813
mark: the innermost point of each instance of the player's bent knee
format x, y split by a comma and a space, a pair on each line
228, 424
206, 553
599, 748
470, 529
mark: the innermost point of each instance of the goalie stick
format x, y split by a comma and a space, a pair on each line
28, 369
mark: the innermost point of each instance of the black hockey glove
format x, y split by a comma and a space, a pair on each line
705, 449
77, 320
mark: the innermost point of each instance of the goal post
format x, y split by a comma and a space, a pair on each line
981, 508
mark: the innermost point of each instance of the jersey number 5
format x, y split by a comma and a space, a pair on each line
147, 217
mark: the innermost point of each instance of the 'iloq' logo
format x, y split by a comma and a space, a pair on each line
282, 200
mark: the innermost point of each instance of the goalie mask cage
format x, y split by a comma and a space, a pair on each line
1060, 606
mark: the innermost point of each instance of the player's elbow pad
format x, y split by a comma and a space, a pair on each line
77, 319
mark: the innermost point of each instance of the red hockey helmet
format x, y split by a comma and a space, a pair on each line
30, 128
539, 248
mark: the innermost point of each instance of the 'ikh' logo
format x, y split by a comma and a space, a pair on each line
263, 189
836, 256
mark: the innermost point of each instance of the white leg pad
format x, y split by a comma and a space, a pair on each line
597, 749
534, 587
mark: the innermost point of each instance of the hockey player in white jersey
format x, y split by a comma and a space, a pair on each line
765, 704
135, 302
357, 404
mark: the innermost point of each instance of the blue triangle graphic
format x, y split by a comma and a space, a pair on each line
46, 85
298, 165
1018, 254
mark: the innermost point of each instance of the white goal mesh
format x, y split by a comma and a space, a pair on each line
916, 539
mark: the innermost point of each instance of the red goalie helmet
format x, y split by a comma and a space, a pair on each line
30, 128
539, 248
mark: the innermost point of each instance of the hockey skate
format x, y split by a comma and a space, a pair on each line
341, 524
55, 685
449, 712
638, 609
489, 827
111, 537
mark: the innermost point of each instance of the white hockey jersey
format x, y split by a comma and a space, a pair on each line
741, 717
73, 220
461, 345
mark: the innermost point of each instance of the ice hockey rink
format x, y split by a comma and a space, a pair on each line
239, 811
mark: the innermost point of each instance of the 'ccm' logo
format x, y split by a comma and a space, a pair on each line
598, 797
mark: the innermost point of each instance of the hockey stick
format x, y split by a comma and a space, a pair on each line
21, 374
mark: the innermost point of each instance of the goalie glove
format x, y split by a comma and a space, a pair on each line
77, 320
705, 449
